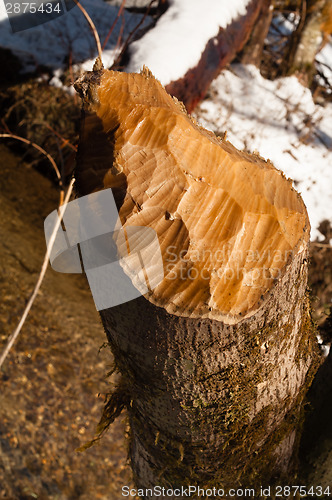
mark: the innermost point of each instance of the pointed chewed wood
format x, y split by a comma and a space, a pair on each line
228, 223
217, 357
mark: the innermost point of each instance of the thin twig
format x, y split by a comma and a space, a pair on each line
71, 73
5, 126
302, 15
114, 23
12, 338
65, 142
321, 245
92, 26
131, 34
48, 156
119, 40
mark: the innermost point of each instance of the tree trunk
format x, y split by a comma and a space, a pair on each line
214, 404
214, 365
252, 52
308, 38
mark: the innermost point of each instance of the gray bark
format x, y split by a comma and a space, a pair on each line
214, 404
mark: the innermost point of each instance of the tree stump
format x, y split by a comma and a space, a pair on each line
217, 358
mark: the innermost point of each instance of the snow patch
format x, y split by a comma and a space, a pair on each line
180, 36
324, 63
279, 120
52, 43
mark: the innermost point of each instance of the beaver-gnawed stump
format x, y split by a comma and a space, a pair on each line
217, 358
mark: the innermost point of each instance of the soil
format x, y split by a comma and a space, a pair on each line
54, 380
53, 383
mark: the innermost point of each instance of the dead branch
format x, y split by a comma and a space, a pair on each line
92, 26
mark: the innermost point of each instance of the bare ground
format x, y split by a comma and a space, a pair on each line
49, 403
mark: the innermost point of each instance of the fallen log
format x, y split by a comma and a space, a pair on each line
217, 358
168, 46
218, 52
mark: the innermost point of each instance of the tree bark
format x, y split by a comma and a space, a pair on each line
213, 373
214, 404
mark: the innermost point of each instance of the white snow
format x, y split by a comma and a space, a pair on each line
279, 120
324, 63
276, 118
283, 25
181, 34
50, 44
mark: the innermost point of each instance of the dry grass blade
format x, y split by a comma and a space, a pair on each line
92, 26
65, 142
130, 36
16, 332
114, 23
